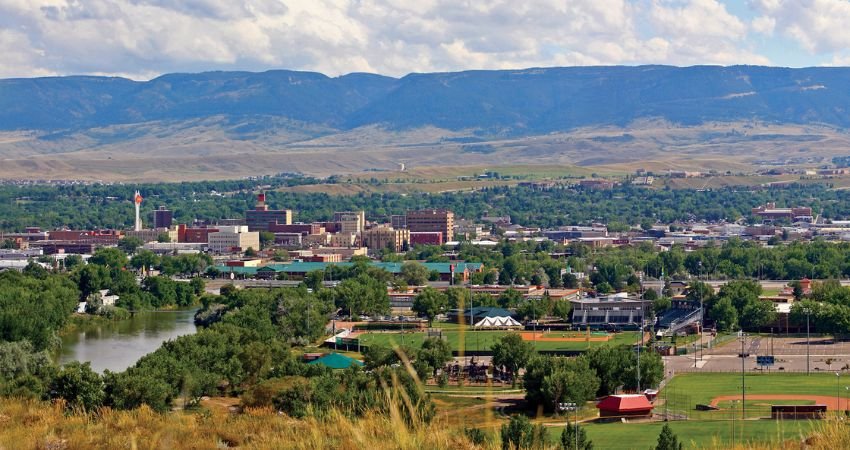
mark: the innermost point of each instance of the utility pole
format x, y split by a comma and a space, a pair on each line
638, 358
807, 311
743, 388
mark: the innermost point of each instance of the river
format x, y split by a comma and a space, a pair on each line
118, 345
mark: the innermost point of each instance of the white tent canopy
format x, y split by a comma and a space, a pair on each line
497, 322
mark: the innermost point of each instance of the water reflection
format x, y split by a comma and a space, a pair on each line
118, 345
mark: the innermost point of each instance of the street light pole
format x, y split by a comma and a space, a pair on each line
743, 389
807, 311
837, 391
638, 358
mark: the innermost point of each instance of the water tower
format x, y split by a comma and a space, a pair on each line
137, 199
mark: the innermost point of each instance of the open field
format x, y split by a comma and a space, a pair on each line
685, 391
355, 188
484, 340
694, 434
210, 149
703, 387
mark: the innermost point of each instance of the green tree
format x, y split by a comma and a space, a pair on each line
435, 353
144, 259
569, 440
531, 309
562, 310
129, 244
509, 298
570, 281
429, 303
520, 434
72, 261
79, 386
512, 352
110, 257
573, 381
457, 297
724, 314
661, 304
363, 295
128, 390
266, 239
414, 274
667, 440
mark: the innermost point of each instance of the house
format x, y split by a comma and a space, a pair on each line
625, 405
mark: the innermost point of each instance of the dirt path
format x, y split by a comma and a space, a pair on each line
832, 403
530, 336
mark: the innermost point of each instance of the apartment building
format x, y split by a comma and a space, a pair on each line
432, 220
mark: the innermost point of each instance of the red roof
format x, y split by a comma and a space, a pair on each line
625, 403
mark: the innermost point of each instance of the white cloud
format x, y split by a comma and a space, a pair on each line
701, 32
819, 26
764, 25
393, 37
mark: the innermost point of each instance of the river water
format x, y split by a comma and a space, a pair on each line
118, 345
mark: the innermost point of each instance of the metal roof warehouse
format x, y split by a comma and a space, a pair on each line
299, 269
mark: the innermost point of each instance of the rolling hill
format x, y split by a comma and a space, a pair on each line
224, 124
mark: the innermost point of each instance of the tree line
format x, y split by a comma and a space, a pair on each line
110, 206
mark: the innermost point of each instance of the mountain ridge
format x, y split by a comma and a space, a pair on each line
225, 124
495, 102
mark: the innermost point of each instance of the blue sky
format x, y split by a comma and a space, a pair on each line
145, 38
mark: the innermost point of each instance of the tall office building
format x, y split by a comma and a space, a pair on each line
162, 218
382, 237
432, 220
259, 218
350, 221
398, 221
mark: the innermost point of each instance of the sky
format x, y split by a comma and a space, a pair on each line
142, 39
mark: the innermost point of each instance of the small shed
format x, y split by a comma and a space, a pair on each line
336, 361
631, 405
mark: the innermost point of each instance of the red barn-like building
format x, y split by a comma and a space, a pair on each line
632, 405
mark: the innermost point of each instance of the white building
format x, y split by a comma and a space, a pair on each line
234, 238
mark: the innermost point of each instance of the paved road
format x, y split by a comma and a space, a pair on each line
824, 355
766, 284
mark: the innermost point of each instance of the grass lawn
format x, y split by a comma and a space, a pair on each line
694, 434
685, 391
702, 387
484, 340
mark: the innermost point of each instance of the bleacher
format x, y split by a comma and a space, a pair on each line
674, 320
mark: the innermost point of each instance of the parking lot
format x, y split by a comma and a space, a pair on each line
825, 355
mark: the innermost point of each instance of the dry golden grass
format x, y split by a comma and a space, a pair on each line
26, 424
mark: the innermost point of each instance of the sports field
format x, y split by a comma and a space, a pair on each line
484, 340
694, 434
723, 390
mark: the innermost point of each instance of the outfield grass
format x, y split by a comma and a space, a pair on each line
484, 340
702, 387
693, 434
685, 391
